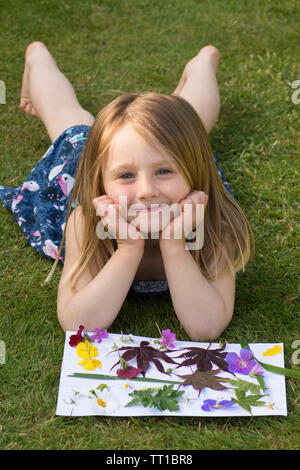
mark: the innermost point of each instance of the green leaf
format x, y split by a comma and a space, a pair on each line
252, 399
162, 398
243, 405
84, 375
244, 385
261, 382
280, 370
86, 336
244, 344
246, 401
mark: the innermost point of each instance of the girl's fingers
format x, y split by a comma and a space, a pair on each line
196, 197
102, 199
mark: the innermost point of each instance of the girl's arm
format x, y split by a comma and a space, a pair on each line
98, 300
203, 308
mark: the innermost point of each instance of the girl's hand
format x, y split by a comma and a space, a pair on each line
113, 217
190, 217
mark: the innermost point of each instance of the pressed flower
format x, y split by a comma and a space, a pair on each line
256, 370
130, 372
103, 399
126, 339
86, 350
99, 335
167, 338
242, 363
73, 398
75, 339
209, 404
273, 351
127, 371
90, 364
144, 354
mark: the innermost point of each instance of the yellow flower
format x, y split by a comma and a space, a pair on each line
273, 351
90, 364
86, 350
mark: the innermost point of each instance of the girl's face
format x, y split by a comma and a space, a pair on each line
142, 173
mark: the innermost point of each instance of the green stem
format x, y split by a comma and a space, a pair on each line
113, 377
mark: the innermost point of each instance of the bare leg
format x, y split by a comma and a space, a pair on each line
198, 85
48, 94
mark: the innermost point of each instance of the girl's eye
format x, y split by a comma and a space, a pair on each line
123, 176
126, 174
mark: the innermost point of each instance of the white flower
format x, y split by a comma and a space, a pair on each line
127, 339
155, 343
103, 401
73, 398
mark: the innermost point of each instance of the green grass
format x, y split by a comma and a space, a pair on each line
144, 45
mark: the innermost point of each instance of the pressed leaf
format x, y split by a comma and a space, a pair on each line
200, 379
163, 398
261, 382
205, 358
116, 377
246, 401
144, 354
243, 385
280, 370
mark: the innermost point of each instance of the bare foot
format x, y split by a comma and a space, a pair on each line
210, 53
25, 101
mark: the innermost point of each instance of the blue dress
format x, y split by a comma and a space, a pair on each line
40, 204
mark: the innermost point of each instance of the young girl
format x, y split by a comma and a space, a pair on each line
145, 149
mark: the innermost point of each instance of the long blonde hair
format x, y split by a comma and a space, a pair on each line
175, 126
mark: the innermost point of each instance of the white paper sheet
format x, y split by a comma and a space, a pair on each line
73, 394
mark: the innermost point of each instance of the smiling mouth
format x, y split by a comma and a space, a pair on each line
153, 208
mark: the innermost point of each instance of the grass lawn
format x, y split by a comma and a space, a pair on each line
143, 45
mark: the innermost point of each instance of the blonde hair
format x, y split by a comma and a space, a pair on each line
175, 126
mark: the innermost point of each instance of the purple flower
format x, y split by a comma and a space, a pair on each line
243, 363
167, 338
99, 335
209, 404
257, 370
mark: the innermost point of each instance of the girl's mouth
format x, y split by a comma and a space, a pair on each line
153, 208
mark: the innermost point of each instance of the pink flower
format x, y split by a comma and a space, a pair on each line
167, 338
75, 339
99, 335
129, 372
256, 370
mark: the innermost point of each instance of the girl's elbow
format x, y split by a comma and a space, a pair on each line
208, 332
205, 335
62, 321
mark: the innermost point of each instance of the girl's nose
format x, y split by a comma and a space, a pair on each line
147, 190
